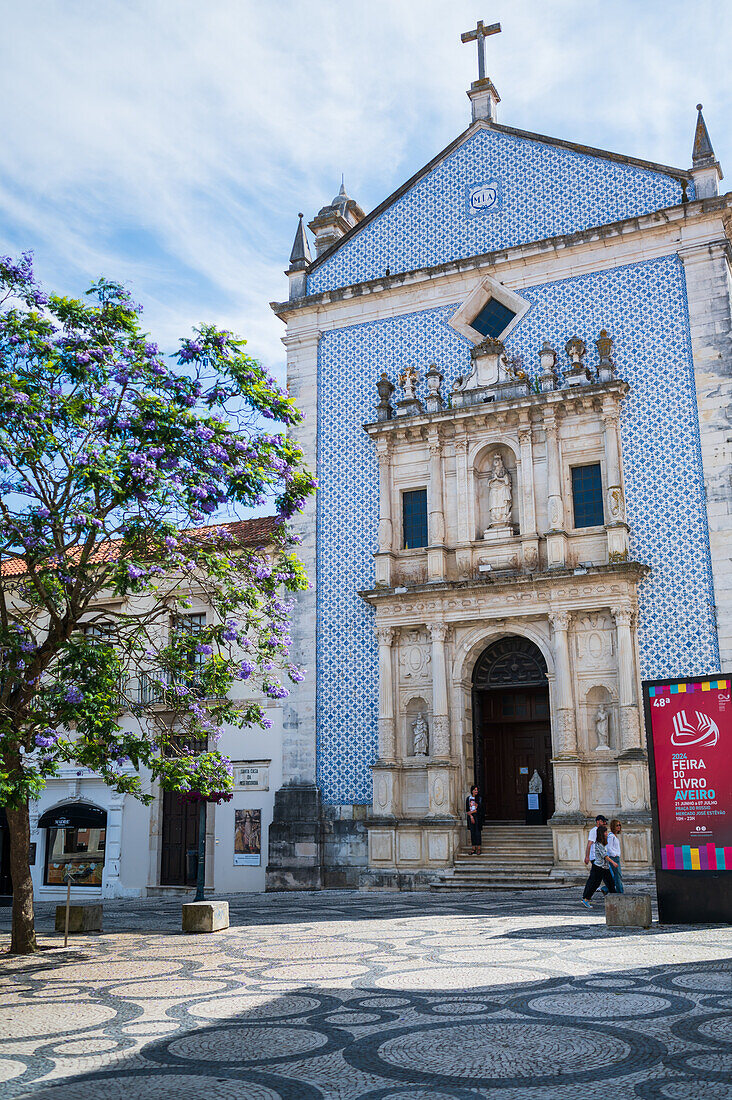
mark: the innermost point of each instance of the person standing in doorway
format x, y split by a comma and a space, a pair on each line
600, 869
590, 849
474, 810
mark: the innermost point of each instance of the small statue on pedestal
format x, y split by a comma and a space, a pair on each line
602, 728
500, 499
536, 785
420, 734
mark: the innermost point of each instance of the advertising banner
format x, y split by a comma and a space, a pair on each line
690, 734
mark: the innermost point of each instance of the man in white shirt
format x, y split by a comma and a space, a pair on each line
590, 849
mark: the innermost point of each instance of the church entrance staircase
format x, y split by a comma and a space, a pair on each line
513, 856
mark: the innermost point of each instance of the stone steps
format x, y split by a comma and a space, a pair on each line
512, 857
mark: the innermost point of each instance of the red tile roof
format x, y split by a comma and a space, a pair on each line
246, 532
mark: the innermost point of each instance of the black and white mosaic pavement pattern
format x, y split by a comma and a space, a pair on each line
341, 995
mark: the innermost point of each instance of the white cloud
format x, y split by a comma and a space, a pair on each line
170, 143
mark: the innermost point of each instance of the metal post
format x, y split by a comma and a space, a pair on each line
201, 877
68, 904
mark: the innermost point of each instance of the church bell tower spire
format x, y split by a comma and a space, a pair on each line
706, 171
482, 94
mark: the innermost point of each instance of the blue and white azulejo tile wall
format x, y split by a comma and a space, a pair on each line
543, 190
643, 306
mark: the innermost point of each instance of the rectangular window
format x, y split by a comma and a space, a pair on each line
414, 518
587, 496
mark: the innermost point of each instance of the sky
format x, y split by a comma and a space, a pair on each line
170, 145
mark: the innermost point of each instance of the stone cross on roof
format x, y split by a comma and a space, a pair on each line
479, 35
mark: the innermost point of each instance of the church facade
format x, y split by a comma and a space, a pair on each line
515, 374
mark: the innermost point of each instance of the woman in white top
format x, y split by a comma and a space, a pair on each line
613, 850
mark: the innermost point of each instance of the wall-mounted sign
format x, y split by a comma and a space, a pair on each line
689, 728
483, 197
251, 775
247, 838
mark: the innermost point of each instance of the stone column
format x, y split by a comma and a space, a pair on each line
556, 537
387, 735
386, 533
615, 500
113, 847
436, 564
383, 557
464, 556
436, 504
627, 703
440, 706
529, 538
565, 726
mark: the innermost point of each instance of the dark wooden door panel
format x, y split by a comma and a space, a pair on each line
179, 836
516, 739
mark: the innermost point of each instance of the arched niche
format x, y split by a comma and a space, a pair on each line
416, 706
482, 472
597, 697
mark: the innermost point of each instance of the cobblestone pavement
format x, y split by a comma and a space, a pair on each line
341, 995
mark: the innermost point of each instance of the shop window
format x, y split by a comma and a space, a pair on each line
587, 496
414, 518
75, 843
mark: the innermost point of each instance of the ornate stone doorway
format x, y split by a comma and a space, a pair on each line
512, 729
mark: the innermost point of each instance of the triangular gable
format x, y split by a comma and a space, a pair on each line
493, 188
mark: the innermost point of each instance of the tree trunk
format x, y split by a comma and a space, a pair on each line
23, 936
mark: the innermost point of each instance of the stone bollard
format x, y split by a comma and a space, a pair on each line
628, 911
205, 916
82, 918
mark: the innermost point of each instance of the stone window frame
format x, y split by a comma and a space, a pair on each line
486, 289
584, 458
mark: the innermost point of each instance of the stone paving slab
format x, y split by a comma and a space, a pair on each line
347, 996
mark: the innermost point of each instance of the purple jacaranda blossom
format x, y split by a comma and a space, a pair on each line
45, 741
204, 649
296, 674
74, 695
246, 668
134, 572
274, 690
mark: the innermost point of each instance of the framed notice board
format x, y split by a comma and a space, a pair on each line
689, 736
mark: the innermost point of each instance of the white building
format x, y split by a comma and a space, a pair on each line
118, 847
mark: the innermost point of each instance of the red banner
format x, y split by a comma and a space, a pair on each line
691, 728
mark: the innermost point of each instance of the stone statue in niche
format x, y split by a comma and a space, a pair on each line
420, 735
536, 785
602, 728
500, 497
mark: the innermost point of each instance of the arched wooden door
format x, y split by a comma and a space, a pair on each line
511, 727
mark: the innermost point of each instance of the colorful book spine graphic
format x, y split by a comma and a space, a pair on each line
685, 858
686, 689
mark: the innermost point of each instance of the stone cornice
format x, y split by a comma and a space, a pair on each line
587, 586
561, 400
716, 208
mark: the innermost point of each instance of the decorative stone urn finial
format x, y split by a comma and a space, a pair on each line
548, 378
410, 404
434, 378
605, 366
385, 389
578, 374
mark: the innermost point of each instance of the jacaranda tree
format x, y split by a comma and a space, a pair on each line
114, 461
